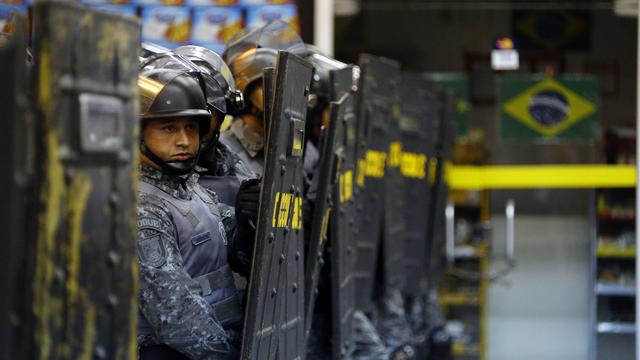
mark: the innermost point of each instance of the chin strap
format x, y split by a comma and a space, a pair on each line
207, 158
170, 167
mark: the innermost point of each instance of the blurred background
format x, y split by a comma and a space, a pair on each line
536, 83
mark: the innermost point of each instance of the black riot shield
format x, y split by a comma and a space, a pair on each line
438, 344
268, 94
84, 278
392, 260
14, 181
375, 101
439, 189
391, 320
274, 317
342, 219
326, 176
419, 110
332, 165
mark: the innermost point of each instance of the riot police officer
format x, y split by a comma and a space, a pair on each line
248, 55
188, 243
220, 168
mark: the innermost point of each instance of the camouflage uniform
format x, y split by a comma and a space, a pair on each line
174, 309
368, 344
227, 174
246, 144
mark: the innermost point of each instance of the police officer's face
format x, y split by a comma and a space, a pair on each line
325, 118
256, 96
257, 100
171, 139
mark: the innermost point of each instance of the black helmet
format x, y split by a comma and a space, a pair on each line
168, 93
217, 83
221, 82
212, 66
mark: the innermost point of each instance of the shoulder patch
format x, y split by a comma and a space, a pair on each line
146, 222
151, 251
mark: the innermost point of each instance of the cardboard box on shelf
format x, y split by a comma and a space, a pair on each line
123, 9
7, 15
259, 15
265, 2
213, 2
168, 26
214, 26
160, 2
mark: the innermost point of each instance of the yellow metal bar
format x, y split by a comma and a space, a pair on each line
540, 176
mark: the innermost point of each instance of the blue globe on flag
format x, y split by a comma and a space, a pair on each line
549, 107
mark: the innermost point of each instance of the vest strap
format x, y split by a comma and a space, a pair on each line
228, 311
219, 279
181, 205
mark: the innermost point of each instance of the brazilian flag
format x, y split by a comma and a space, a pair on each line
552, 30
459, 84
537, 107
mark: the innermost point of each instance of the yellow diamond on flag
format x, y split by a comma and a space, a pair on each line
572, 27
549, 107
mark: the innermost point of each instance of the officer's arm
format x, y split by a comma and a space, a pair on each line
169, 298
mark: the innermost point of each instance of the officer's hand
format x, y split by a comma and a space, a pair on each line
248, 200
404, 352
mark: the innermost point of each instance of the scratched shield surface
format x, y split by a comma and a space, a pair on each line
374, 105
274, 317
443, 133
418, 112
14, 182
84, 269
332, 165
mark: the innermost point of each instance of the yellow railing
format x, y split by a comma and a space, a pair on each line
540, 176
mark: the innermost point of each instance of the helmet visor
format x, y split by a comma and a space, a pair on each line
208, 61
276, 35
211, 84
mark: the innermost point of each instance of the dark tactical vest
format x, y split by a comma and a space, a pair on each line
229, 172
203, 247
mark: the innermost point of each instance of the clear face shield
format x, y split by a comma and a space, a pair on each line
213, 66
249, 52
322, 66
276, 35
213, 86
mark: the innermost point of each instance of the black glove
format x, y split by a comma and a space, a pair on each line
247, 202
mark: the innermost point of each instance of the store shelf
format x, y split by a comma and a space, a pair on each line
614, 290
465, 198
616, 328
612, 251
616, 216
470, 251
612, 275
463, 289
459, 299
